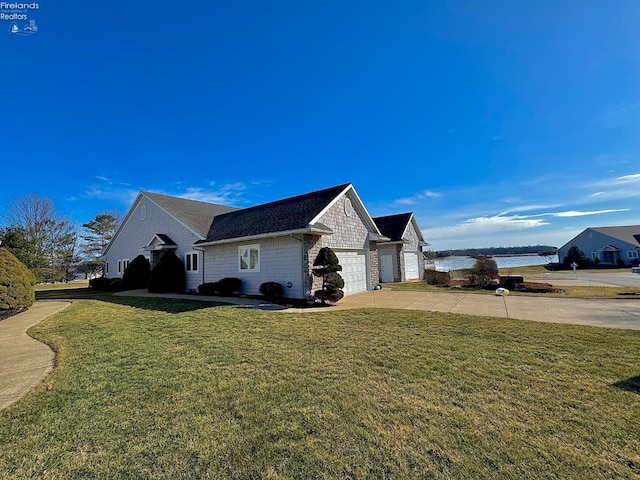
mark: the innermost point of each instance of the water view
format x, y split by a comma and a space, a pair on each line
447, 264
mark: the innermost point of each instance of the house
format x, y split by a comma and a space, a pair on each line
272, 242
156, 223
278, 242
400, 258
610, 245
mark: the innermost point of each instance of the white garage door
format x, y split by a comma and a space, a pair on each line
354, 270
412, 272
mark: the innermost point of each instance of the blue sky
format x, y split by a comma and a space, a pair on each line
497, 123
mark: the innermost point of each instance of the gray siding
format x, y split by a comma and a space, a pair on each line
349, 231
590, 241
137, 232
280, 261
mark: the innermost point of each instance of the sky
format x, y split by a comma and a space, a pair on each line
498, 123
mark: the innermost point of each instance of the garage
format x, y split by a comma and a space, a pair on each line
411, 268
354, 270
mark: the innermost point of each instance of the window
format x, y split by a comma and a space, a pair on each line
632, 254
191, 261
106, 267
249, 258
594, 255
122, 265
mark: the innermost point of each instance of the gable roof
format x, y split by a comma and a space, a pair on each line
287, 215
629, 234
193, 214
394, 226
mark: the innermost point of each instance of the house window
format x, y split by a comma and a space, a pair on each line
106, 267
594, 255
191, 261
249, 258
632, 254
122, 265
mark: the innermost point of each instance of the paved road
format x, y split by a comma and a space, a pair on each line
592, 312
24, 362
621, 279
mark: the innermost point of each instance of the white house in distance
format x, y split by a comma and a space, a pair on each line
273, 242
609, 245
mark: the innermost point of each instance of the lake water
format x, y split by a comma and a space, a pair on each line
457, 263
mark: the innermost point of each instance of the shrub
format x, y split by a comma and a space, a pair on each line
576, 255
224, 287
16, 283
168, 275
136, 275
115, 285
326, 265
620, 262
484, 272
228, 286
432, 277
510, 282
635, 262
272, 291
100, 283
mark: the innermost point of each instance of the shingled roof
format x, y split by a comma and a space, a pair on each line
393, 226
289, 214
629, 234
194, 214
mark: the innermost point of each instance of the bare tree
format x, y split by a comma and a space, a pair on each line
44, 241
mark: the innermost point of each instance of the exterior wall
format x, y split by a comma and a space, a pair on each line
281, 261
139, 230
374, 267
350, 232
590, 241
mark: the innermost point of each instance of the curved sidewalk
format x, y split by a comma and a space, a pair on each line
577, 311
24, 361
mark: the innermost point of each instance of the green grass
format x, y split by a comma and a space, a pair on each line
149, 388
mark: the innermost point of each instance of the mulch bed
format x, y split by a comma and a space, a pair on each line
11, 312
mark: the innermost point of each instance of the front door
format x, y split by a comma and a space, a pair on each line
386, 268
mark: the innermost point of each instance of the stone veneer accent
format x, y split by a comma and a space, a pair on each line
311, 245
374, 266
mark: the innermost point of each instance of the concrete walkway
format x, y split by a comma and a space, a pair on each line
593, 312
24, 362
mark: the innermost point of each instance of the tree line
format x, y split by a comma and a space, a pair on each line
49, 244
475, 252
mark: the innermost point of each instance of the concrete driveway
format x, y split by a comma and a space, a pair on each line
24, 362
594, 312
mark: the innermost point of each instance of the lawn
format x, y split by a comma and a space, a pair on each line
148, 388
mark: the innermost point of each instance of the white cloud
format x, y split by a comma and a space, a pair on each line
573, 213
625, 186
228, 194
485, 226
427, 194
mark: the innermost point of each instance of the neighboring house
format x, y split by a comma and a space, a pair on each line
273, 242
607, 244
279, 241
156, 223
400, 258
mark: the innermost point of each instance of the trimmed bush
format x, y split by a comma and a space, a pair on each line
272, 291
116, 285
16, 283
136, 275
326, 265
224, 287
100, 283
228, 286
432, 277
168, 276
